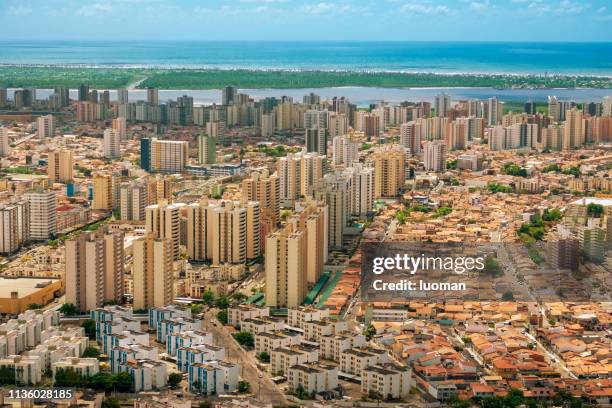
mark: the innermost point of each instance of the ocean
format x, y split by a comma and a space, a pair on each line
437, 57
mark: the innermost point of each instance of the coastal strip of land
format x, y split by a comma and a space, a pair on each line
13, 76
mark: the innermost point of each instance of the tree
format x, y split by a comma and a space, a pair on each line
67, 377
90, 328
264, 357
110, 403
174, 379
222, 302
7, 375
594, 210
205, 404
102, 382
243, 387
123, 382
514, 169
33, 306
91, 352
208, 297
222, 316
245, 339
68, 309
369, 332
492, 267
239, 297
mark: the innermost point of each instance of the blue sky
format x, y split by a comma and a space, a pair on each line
460, 20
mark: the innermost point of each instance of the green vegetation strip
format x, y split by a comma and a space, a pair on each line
49, 76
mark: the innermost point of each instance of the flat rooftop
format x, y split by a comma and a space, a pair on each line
23, 286
605, 202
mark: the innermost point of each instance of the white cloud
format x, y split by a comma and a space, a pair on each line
480, 6
19, 11
94, 10
569, 7
319, 8
264, 1
424, 8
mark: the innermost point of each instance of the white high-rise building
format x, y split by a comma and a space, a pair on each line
607, 106
442, 105
435, 156
315, 119
361, 189
45, 126
43, 214
112, 146
344, 150
495, 111
122, 96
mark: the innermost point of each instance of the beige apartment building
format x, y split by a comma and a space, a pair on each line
169, 156
265, 188
152, 272
223, 231
163, 220
94, 269
60, 165
286, 267
389, 164
103, 195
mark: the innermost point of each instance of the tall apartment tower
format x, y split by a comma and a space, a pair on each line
112, 145
43, 214
120, 126
286, 267
229, 95
265, 189
122, 96
389, 164
410, 136
573, 135
312, 218
152, 272
163, 220
133, 201
207, 149
14, 226
434, 157
60, 166
5, 146
223, 231
361, 189
103, 193
153, 96
495, 111
344, 150
442, 105
169, 156
45, 126
333, 190
94, 269
316, 140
